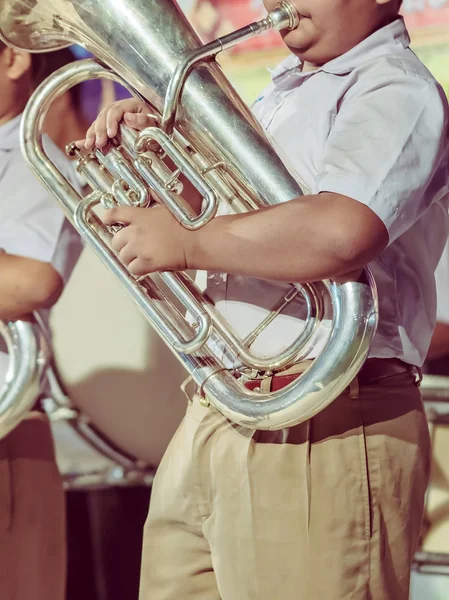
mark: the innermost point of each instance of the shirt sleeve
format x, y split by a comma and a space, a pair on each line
32, 224
385, 147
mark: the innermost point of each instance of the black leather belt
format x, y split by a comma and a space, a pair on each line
373, 370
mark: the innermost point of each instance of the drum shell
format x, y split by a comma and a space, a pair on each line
112, 364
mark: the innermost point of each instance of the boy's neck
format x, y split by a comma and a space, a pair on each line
307, 67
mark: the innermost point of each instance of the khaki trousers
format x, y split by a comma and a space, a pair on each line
32, 515
327, 510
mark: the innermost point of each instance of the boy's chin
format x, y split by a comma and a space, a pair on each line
301, 51
297, 40
307, 50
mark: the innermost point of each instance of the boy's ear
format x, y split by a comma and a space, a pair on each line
18, 63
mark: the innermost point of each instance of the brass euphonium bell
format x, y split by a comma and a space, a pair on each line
213, 139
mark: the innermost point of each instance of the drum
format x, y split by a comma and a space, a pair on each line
86, 457
115, 398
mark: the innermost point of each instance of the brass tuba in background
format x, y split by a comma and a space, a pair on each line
28, 358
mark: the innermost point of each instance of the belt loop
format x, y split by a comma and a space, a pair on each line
184, 385
265, 384
195, 394
354, 389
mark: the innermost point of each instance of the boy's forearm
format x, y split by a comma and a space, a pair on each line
302, 240
256, 245
26, 285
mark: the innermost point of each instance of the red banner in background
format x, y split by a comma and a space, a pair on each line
213, 18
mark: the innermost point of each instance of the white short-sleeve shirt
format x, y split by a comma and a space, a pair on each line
31, 223
371, 124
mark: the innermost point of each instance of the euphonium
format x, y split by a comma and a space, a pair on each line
211, 136
28, 354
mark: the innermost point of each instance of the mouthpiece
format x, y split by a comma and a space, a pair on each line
284, 16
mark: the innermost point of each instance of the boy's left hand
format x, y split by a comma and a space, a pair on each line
151, 239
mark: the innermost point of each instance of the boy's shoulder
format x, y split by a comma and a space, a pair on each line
402, 64
402, 71
396, 62
385, 58
14, 168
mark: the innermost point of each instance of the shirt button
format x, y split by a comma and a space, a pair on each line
217, 278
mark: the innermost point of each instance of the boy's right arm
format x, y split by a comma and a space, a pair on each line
32, 243
27, 285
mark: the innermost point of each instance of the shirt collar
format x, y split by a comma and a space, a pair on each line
377, 44
9, 134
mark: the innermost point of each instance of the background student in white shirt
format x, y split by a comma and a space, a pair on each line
39, 251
